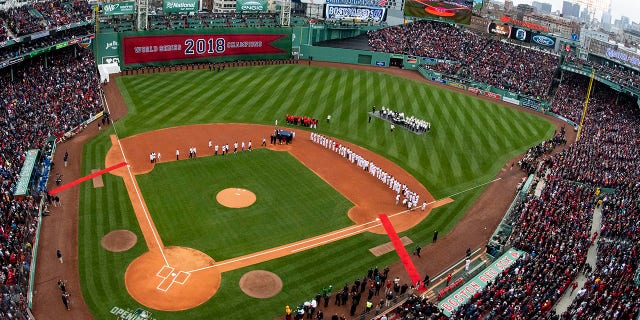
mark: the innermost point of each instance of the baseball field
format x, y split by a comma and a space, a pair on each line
302, 192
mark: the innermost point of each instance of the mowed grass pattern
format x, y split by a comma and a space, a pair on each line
183, 192
469, 141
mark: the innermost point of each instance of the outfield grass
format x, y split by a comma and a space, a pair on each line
470, 140
292, 203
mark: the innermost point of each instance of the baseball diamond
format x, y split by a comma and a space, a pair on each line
407, 160
172, 204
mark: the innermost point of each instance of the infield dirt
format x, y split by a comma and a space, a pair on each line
60, 229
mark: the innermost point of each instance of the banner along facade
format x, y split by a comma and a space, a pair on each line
211, 45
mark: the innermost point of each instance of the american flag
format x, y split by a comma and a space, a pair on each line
382, 3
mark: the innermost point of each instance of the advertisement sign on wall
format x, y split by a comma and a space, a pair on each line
544, 41
119, 8
520, 34
499, 29
454, 11
463, 294
346, 12
174, 47
252, 5
172, 6
362, 3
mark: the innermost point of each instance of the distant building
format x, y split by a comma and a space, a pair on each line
606, 20
558, 25
508, 5
584, 15
625, 22
524, 9
542, 7
570, 9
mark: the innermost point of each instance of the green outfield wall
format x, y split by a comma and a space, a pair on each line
380, 59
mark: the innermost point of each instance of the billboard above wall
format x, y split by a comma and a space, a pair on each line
350, 12
457, 11
185, 46
252, 5
173, 6
119, 8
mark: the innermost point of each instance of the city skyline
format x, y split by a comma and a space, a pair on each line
619, 8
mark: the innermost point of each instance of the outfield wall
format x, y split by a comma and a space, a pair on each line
350, 56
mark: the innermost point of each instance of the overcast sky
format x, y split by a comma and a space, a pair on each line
629, 8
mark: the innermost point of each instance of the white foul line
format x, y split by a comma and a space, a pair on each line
135, 187
339, 234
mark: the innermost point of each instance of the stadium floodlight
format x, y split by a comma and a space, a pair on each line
142, 21
285, 13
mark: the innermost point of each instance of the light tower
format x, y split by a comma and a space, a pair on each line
143, 14
285, 13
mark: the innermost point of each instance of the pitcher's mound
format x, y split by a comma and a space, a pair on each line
236, 198
119, 240
260, 284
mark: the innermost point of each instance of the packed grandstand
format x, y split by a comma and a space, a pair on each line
45, 98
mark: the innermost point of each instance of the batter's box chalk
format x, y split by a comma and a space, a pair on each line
165, 271
182, 277
165, 284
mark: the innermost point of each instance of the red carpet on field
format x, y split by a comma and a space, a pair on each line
87, 177
401, 250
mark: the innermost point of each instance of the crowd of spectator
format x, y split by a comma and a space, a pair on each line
39, 16
3, 31
470, 56
428, 39
42, 100
609, 292
376, 293
554, 228
610, 71
535, 154
22, 48
509, 67
554, 232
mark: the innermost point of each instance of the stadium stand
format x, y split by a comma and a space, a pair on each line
20, 48
616, 73
34, 17
553, 228
42, 100
470, 56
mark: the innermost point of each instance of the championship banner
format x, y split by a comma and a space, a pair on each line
172, 6
347, 12
165, 47
119, 8
252, 5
